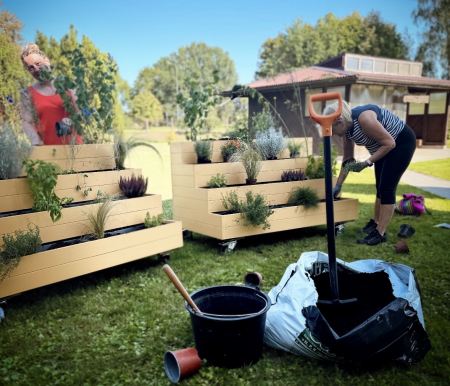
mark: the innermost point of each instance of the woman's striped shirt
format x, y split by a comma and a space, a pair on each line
393, 124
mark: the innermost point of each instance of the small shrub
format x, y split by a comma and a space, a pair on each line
133, 186
303, 196
42, 178
315, 168
217, 181
293, 175
270, 143
154, 221
204, 149
13, 152
15, 247
254, 209
229, 149
294, 149
263, 120
97, 219
250, 159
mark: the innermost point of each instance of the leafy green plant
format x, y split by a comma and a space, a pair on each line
154, 221
315, 168
204, 150
98, 218
254, 209
263, 120
217, 181
13, 151
95, 87
123, 147
251, 159
133, 186
293, 175
294, 148
229, 149
305, 196
270, 142
197, 103
15, 247
42, 178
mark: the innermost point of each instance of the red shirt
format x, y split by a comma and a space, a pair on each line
50, 110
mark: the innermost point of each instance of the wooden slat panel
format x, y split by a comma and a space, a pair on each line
99, 254
182, 191
207, 218
202, 228
189, 203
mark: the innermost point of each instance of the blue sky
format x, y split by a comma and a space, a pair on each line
139, 32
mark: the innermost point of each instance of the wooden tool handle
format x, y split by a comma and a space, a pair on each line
177, 283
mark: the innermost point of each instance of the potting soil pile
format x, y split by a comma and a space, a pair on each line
386, 322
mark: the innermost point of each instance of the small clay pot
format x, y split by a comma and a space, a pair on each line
253, 279
181, 363
405, 231
402, 247
250, 181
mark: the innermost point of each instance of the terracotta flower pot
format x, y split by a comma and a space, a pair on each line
253, 279
181, 363
402, 247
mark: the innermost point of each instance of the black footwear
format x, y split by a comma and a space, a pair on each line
373, 238
370, 226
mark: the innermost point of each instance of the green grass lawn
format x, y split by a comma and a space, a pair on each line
438, 168
113, 327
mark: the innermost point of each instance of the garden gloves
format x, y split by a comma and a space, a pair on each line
336, 190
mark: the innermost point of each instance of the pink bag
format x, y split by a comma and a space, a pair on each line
411, 204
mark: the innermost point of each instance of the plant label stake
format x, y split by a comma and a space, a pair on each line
326, 122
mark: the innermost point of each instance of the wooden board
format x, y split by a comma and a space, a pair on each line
15, 194
225, 227
53, 266
73, 223
79, 158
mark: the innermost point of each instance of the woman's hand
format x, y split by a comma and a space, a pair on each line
67, 121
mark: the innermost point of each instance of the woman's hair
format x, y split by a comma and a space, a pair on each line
346, 114
32, 48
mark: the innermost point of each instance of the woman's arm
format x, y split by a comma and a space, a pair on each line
375, 130
73, 96
348, 153
28, 124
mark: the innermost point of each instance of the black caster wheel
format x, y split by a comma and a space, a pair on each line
163, 258
187, 235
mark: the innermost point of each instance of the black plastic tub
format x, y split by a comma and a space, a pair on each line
235, 338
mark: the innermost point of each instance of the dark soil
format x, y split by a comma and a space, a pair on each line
224, 213
373, 291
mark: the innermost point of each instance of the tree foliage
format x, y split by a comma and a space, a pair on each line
145, 107
197, 62
303, 45
435, 47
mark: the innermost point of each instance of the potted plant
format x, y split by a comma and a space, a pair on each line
229, 149
204, 150
217, 181
251, 159
294, 148
316, 165
293, 175
270, 143
14, 150
303, 196
133, 186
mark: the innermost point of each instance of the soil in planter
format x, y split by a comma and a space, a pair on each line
223, 213
373, 291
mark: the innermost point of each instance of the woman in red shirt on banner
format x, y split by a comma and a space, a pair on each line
41, 107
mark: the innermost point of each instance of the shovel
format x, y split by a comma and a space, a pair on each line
326, 122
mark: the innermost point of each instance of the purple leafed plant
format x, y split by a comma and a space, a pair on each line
133, 186
293, 175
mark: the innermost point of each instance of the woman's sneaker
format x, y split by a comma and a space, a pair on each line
373, 238
370, 226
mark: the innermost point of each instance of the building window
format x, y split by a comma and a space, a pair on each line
367, 64
437, 103
416, 108
392, 67
352, 63
317, 105
380, 66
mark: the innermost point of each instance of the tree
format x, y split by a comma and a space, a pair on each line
303, 45
436, 38
197, 62
145, 107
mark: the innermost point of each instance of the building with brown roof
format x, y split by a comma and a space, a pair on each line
397, 85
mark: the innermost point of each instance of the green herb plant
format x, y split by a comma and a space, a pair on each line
97, 219
254, 209
294, 148
305, 196
15, 246
315, 168
251, 159
217, 181
154, 221
204, 149
42, 178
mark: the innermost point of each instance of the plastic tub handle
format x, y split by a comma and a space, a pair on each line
326, 121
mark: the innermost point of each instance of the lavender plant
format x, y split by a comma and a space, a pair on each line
293, 175
133, 186
270, 143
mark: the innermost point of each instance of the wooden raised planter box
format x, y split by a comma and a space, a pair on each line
224, 227
60, 264
15, 193
73, 223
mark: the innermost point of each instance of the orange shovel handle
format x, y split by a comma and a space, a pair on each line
326, 121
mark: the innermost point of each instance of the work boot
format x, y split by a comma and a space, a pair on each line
370, 226
373, 238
